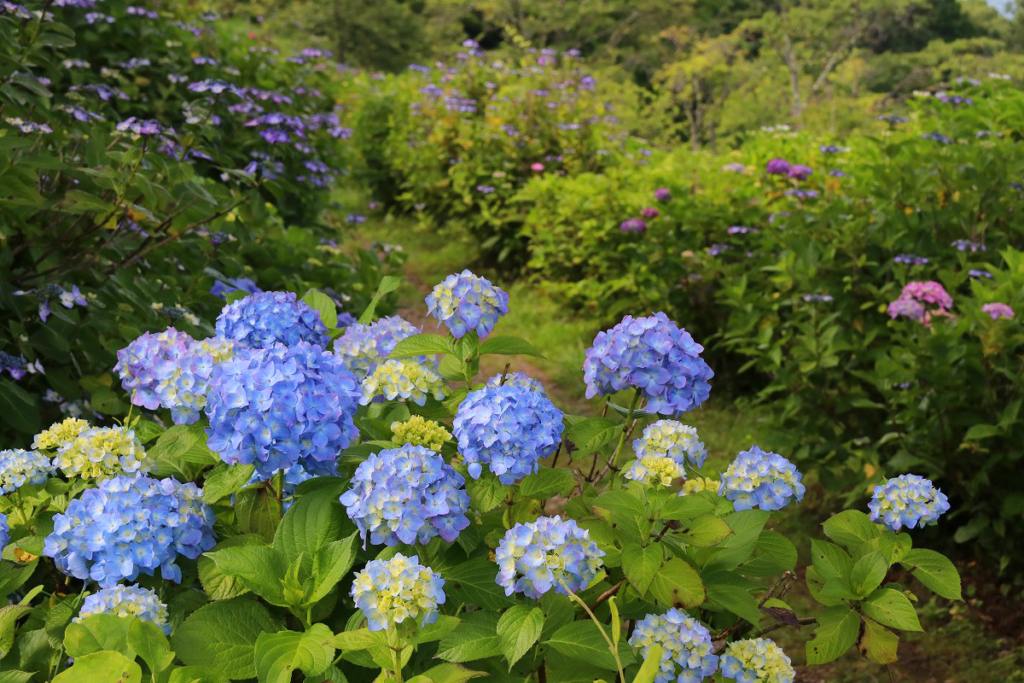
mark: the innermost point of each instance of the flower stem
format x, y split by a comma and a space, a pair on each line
604, 634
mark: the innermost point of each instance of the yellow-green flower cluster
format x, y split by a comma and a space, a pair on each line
420, 432
758, 660
59, 434
402, 379
701, 484
654, 469
101, 453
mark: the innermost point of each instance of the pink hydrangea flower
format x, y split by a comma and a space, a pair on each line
998, 310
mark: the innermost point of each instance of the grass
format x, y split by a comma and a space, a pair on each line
959, 645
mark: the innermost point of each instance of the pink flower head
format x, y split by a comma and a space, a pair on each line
649, 212
537, 167
929, 292
998, 310
633, 225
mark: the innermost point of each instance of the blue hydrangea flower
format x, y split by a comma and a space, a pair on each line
407, 494
280, 406
757, 660
403, 378
131, 526
102, 452
364, 347
516, 379
5, 531
686, 648
171, 370
762, 480
19, 467
673, 440
907, 500
265, 318
391, 591
506, 429
127, 601
654, 355
533, 558
464, 302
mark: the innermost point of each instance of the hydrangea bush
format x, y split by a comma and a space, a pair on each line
480, 531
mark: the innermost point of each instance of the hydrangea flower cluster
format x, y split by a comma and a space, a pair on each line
102, 452
391, 591
998, 310
19, 467
363, 347
5, 531
757, 660
686, 648
465, 302
673, 440
403, 378
535, 557
59, 433
915, 298
651, 354
127, 601
654, 469
507, 429
407, 494
281, 406
762, 480
131, 526
171, 370
516, 379
907, 500
419, 431
633, 225
699, 484
262, 319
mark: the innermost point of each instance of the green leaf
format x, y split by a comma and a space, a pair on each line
877, 643
360, 639
850, 528
195, 674
388, 284
891, 608
324, 305
447, 673
258, 568
547, 483
422, 345
837, 631
683, 508
476, 638
257, 511
435, 631
147, 640
96, 633
518, 629
591, 434
732, 592
100, 667
278, 654
641, 565
473, 582
678, 584
508, 346
181, 451
18, 407
703, 532
830, 560
222, 637
652, 663
487, 492
331, 565
774, 554
935, 571
582, 640
217, 584
868, 573
9, 616
222, 483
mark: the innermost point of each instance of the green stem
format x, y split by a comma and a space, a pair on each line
614, 461
395, 643
604, 634
279, 490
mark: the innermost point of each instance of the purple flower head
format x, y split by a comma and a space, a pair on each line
799, 172
778, 166
663, 195
633, 225
266, 318
998, 310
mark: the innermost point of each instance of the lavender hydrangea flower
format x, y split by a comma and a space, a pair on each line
516, 379
663, 195
364, 347
281, 406
799, 172
19, 467
686, 648
633, 225
131, 526
762, 480
408, 495
649, 212
127, 601
549, 553
262, 319
778, 166
390, 591
464, 302
506, 429
907, 500
5, 531
998, 310
655, 356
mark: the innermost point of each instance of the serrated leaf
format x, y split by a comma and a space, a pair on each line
877, 643
891, 608
547, 483
476, 638
935, 571
591, 434
582, 640
868, 573
473, 582
677, 584
324, 305
258, 568
101, 666
703, 532
279, 654
641, 565
836, 633
222, 637
225, 482
518, 629
422, 345
850, 528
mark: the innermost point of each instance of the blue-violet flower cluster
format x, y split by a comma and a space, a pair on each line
19, 467
907, 500
686, 648
264, 318
535, 557
127, 601
757, 660
762, 480
364, 347
465, 302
